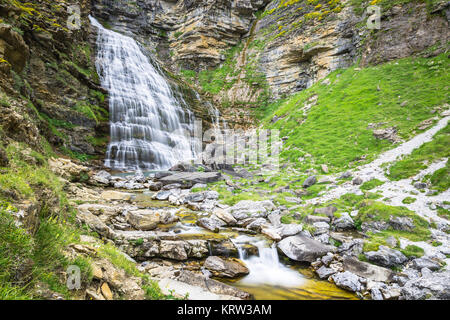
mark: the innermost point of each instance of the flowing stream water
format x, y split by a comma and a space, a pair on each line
150, 128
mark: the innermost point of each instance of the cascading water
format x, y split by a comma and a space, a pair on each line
266, 268
149, 127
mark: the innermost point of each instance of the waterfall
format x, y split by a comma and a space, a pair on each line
266, 268
150, 128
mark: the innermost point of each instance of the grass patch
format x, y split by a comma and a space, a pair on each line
372, 184
421, 157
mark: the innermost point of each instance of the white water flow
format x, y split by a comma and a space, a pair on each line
266, 268
149, 127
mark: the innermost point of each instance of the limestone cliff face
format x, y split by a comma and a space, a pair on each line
48, 79
282, 46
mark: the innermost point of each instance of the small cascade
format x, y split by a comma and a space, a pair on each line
266, 269
150, 127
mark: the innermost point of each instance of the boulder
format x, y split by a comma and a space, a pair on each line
191, 178
257, 224
401, 223
348, 281
425, 262
367, 270
248, 208
431, 286
144, 219
225, 268
345, 222
324, 272
321, 228
211, 224
309, 182
345, 175
313, 219
303, 248
155, 186
102, 177
357, 181
225, 216
116, 195
386, 257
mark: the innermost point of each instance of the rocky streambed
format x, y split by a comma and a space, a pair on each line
194, 245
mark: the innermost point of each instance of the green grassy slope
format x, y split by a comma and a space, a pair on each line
335, 131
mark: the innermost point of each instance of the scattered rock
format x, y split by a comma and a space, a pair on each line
348, 281
225, 268
102, 177
324, 272
106, 291
425, 262
389, 134
432, 286
345, 222
309, 182
328, 211
367, 270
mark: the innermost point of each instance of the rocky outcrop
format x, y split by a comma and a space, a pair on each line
52, 75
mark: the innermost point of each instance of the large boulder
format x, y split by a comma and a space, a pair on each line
430, 286
101, 177
229, 268
251, 209
425, 262
367, 270
345, 222
309, 182
348, 281
146, 220
386, 257
303, 248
